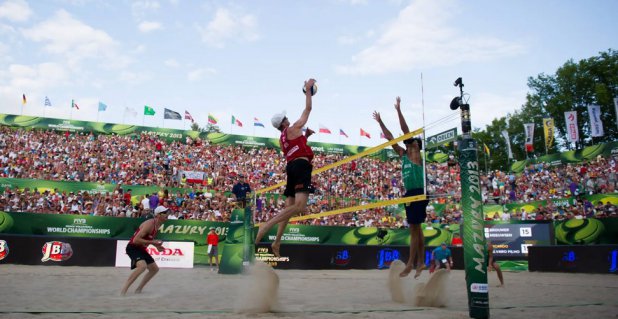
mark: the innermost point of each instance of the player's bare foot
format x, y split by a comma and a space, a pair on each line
419, 270
406, 271
138, 291
275, 247
123, 293
500, 286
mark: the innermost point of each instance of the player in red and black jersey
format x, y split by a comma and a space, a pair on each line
298, 169
136, 249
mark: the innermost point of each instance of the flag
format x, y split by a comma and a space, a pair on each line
324, 129
74, 105
486, 149
570, 118
382, 135
548, 128
505, 134
171, 115
148, 110
529, 130
47, 102
236, 121
211, 119
257, 122
363, 133
23, 99
131, 111
596, 125
102, 106
188, 116
341, 132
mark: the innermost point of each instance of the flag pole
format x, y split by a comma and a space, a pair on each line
424, 141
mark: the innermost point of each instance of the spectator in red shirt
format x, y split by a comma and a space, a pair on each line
213, 241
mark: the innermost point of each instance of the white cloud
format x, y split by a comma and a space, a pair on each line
499, 104
141, 8
172, 63
355, 2
227, 25
133, 78
34, 81
147, 26
423, 36
198, 74
15, 10
139, 49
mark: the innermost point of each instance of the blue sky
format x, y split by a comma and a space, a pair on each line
250, 58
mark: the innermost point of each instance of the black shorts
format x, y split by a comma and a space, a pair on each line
136, 254
416, 212
299, 177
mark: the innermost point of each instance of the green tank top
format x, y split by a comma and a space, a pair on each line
412, 174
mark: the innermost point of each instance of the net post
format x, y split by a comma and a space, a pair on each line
248, 240
473, 230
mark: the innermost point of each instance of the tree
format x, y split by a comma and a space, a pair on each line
210, 128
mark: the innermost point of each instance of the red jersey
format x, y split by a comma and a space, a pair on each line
295, 148
212, 239
150, 236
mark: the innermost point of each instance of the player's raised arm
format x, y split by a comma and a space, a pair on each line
402, 121
387, 134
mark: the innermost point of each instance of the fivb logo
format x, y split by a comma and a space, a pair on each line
4, 249
56, 251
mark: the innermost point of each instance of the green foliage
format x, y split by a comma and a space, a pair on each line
573, 87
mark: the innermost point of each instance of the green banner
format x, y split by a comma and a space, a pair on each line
589, 231
577, 156
441, 138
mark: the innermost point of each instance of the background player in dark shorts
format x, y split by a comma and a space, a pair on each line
492, 263
412, 173
136, 249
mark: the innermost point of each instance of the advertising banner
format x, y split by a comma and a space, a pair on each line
56, 250
174, 255
590, 231
570, 119
549, 130
600, 259
596, 125
441, 138
512, 239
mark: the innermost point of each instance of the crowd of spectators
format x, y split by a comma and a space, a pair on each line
150, 161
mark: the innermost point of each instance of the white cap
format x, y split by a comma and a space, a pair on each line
277, 119
160, 209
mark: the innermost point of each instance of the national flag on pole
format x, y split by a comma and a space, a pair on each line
382, 135
23, 99
47, 102
102, 106
74, 105
341, 132
211, 119
363, 133
148, 110
171, 115
131, 111
236, 121
486, 149
189, 117
324, 129
257, 122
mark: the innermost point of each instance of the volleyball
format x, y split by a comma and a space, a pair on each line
314, 89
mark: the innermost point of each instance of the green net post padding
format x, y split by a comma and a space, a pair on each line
238, 243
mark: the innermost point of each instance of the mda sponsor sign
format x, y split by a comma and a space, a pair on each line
175, 255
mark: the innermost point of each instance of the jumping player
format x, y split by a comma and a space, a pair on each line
298, 169
414, 182
136, 249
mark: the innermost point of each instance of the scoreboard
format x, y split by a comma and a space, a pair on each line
511, 239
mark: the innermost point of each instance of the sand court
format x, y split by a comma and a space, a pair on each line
93, 292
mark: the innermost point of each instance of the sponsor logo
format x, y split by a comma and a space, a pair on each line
165, 252
386, 257
480, 288
56, 251
80, 221
341, 258
294, 230
4, 249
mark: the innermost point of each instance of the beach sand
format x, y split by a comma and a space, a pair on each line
93, 292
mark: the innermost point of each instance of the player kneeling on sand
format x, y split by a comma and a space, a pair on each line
442, 257
136, 249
